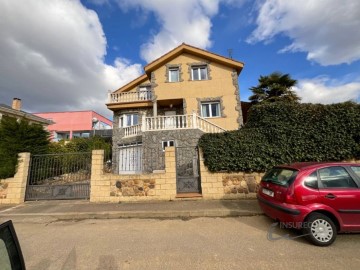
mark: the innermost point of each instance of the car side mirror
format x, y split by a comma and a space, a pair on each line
11, 257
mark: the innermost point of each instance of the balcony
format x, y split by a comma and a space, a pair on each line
176, 122
129, 97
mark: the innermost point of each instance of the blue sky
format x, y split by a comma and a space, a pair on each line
66, 55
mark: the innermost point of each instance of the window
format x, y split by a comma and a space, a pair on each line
199, 73
127, 120
173, 74
280, 176
167, 144
210, 109
311, 181
356, 170
336, 177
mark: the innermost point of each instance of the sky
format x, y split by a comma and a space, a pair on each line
64, 55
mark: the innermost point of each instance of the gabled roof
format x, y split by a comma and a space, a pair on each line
185, 48
133, 83
7, 110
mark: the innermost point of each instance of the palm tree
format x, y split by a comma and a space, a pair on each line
273, 88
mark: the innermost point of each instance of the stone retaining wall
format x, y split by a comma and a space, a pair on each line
12, 190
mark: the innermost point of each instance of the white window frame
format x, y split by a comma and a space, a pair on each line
123, 120
197, 69
210, 111
177, 71
168, 143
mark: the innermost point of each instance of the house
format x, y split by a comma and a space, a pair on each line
181, 95
76, 124
15, 111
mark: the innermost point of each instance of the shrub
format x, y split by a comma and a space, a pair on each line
281, 133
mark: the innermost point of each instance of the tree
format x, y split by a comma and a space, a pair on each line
273, 88
16, 137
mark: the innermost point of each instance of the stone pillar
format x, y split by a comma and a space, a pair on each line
155, 108
100, 185
170, 173
13, 189
143, 122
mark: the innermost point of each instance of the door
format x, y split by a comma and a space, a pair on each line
339, 191
130, 159
187, 170
170, 119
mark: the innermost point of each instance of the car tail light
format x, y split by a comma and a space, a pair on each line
290, 195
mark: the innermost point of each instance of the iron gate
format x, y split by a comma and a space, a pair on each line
59, 177
187, 170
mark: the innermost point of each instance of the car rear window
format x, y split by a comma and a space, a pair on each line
356, 170
280, 176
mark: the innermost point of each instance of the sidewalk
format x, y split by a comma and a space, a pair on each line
78, 210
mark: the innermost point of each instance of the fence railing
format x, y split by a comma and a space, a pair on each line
130, 96
62, 168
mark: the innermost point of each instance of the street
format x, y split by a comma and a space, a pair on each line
201, 243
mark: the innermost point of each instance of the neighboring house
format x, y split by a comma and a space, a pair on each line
16, 112
182, 95
75, 124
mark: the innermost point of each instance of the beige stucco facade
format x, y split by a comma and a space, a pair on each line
220, 85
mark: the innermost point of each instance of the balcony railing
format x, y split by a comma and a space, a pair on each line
130, 96
176, 122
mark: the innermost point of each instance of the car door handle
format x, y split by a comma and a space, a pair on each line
330, 196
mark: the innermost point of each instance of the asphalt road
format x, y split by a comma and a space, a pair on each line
202, 243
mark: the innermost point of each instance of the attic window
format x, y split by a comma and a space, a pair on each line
199, 73
174, 74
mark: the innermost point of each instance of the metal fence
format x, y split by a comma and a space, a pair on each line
59, 168
59, 176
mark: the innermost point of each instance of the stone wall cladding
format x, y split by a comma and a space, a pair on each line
240, 119
152, 144
133, 187
240, 183
3, 189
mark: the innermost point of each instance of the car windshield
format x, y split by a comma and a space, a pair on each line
280, 176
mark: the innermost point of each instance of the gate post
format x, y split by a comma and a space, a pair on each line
15, 187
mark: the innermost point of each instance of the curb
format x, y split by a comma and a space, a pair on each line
138, 214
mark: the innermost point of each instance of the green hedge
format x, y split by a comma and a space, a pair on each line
281, 133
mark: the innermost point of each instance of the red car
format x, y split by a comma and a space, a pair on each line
322, 199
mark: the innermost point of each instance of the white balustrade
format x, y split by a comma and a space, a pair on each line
130, 96
174, 122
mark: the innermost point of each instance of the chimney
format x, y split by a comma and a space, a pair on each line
16, 104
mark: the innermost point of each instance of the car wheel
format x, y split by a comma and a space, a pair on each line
320, 230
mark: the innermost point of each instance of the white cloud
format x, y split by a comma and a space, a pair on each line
326, 30
326, 91
180, 21
52, 57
